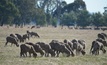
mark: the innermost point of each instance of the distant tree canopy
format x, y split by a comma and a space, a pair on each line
7, 12
75, 6
49, 12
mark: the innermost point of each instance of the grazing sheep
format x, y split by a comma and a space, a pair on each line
82, 42
102, 36
47, 49
24, 48
19, 37
25, 36
12, 40
37, 48
78, 47
34, 34
12, 35
69, 45
96, 47
31, 34
59, 47
32, 27
102, 41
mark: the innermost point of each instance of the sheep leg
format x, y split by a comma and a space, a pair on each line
57, 52
45, 54
22, 54
29, 54
98, 52
6, 43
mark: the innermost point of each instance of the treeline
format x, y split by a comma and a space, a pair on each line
49, 12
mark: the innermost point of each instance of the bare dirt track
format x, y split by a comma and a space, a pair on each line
11, 55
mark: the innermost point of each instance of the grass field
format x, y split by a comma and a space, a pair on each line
11, 55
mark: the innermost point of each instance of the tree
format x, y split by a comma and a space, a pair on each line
8, 11
49, 6
76, 6
26, 9
97, 19
39, 17
105, 19
54, 22
69, 19
83, 18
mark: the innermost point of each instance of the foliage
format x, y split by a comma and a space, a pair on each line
54, 22
39, 17
97, 19
83, 18
69, 18
105, 19
8, 11
49, 12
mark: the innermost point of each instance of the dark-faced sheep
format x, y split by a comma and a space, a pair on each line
24, 48
59, 47
11, 40
96, 47
37, 48
47, 49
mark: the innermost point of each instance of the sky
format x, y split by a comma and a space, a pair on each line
93, 5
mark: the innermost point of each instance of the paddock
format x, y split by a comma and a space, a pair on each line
11, 55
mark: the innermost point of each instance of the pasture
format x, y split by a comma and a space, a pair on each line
11, 55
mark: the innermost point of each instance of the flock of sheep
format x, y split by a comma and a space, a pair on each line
55, 47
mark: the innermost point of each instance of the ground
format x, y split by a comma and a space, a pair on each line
11, 55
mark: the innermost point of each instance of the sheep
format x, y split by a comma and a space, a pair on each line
96, 47
34, 34
32, 27
31, 34
36, 47
12, 40
47, 49
12, 35
102, 41
69, 45
59, 47
25, 36
82, 42
19, 37
102, 36
24, 48
78, 47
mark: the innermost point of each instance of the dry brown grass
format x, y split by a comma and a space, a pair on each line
10, 55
